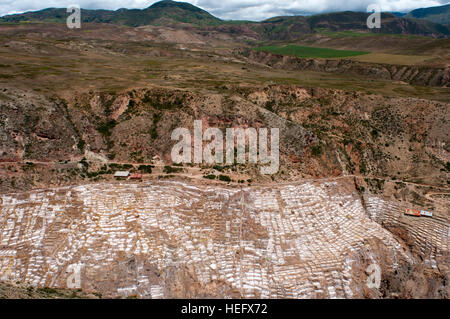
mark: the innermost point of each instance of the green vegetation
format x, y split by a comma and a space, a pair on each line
316, 150
153, 131
106, 127
374, 133
309, 52
137, 156
170, 169
147, 169
84, 163
218, 168
363, 167
225, 178
120, 167
28, 166
270, 106
81, 144
210, 176
159, 13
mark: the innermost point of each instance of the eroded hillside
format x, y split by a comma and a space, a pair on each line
323, 133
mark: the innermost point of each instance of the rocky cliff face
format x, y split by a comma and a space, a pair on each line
35, 127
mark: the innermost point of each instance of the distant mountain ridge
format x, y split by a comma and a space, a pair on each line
162, 12
289, 27
170, 13
439, 14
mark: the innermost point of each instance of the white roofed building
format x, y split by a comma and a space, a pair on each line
121, 174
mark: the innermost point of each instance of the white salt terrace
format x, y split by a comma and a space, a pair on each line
296, 241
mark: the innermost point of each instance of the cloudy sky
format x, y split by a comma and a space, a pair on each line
230, 9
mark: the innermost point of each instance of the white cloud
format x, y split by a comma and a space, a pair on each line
230, 9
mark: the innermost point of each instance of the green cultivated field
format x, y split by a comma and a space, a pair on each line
309, 52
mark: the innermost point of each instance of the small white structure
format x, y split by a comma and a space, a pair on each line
425, 213
122, 174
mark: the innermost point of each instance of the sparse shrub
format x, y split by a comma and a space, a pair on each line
28, 166
270, 105
225, 178
119, 167
375, 133
153, 132
170, 169
316, 150
106, 127
48, 290
362, 167
84, 163
146, 168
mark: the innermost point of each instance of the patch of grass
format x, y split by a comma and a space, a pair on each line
309, 52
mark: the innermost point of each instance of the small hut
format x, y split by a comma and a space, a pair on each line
121, 174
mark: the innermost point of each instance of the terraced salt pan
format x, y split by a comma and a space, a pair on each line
294, 241
430, 236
